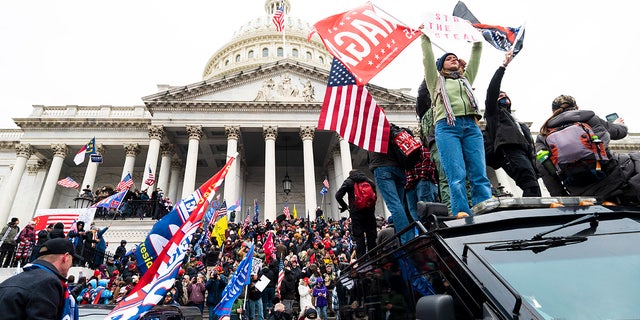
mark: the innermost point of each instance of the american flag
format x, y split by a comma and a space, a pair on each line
326, 183
126, 183
280, 276
350, 110
278, 19
286, 212
150, 179
68, 183
221, 212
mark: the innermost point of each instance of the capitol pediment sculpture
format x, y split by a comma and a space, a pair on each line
284, 89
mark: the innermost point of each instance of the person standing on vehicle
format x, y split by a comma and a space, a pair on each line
8, 243
41, 292
456, 115
363, 221
510, 140
622, 172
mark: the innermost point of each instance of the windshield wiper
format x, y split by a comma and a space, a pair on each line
539, 243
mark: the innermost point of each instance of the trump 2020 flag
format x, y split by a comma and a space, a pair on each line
239, 279
163, 230
363, 40
159, 278
351, 111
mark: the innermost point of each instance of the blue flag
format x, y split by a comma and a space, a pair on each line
239, 279
113, 201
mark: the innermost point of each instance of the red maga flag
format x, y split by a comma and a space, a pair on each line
350, 110
363, 40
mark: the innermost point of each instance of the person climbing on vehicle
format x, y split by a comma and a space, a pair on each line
612, 176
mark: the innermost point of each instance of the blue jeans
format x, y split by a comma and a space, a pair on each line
391, 181
423, 190
255, 306
267, 300
461, 149
322, 312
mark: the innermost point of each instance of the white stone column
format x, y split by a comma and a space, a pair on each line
91, 171
338, 177
345, 154
310, 201
23, 153
49, 188
269, 209
189, 181
131, 151
330, 196
156, 133
233, 176
176, 165
165, 167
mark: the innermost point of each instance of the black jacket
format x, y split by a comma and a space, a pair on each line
501, 127
36, 293
347, 188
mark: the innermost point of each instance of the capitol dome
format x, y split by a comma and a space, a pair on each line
257, 42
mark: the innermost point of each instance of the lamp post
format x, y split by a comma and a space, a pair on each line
286, 182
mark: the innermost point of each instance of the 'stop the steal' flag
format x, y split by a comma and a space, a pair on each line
364, 41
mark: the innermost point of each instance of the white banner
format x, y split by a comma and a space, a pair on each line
447, 27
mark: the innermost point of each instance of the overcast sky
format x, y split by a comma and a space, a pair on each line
115, 52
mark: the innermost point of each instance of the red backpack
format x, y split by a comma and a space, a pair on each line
364, 195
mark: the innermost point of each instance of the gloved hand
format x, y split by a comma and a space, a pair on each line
343, 209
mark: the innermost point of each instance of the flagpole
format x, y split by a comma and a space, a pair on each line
284, 43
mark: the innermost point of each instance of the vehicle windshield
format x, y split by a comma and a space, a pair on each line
594, 279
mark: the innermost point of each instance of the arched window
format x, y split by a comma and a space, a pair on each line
265, 52
280, 52
226, 62
294, 52
309, 55
238, 58
321, 58
250, 54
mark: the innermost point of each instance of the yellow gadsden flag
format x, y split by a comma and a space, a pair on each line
295, 212
219, 230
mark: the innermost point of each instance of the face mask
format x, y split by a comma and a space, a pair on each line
502, 102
